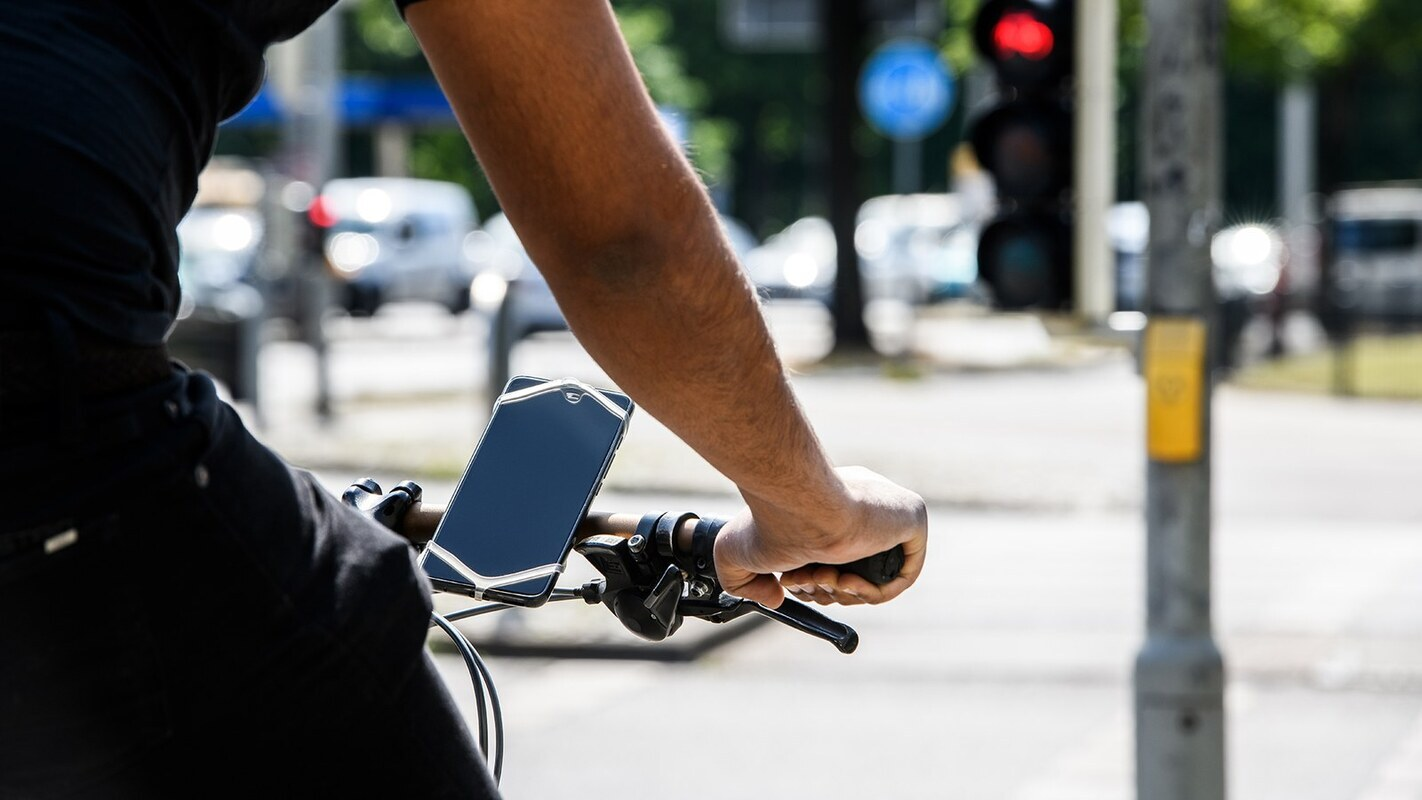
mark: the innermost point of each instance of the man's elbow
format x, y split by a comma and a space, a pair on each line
648, 252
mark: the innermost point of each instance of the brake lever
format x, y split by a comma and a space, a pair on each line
807, 620
797, 615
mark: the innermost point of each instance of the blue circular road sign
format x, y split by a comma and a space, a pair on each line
905, 89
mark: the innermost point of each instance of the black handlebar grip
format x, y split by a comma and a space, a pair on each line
878, 569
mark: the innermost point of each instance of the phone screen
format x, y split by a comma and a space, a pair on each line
510, 523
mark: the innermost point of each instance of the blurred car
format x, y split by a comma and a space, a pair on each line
220, 314
1247, 261
507, 286
1374, 268
798, 262
393, 239
1247, 258
917, 248
1128, 231
912, 248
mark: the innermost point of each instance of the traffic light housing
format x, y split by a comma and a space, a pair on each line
1024, 140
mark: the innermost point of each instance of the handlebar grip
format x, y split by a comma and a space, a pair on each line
878, 569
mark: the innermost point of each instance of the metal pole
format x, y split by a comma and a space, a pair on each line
844, 37
1179, 673
392, 149
908, 164
1095, 165
312, 138
1298, 149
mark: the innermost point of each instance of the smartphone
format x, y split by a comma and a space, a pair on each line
509, 526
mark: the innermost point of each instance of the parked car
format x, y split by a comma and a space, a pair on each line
797, 263
1128, 231
1247, 258
220, 314
507, 286
1247, 262
393, 239
1374, 244
917, 248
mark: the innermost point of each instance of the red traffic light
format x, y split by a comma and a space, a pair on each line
1020, 33
1028, 43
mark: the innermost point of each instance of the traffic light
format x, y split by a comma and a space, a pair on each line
1024, 140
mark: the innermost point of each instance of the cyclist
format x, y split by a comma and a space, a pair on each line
183, 613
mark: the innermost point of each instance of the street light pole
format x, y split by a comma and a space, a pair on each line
1179, 673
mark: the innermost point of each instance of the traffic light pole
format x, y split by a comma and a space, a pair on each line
844, 25
1179, 673
1095, 158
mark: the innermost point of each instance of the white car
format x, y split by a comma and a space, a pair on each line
915, 248
397, 239
798, 262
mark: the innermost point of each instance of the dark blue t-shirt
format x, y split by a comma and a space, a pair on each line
108, 112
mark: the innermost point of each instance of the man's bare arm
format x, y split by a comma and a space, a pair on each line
623, 231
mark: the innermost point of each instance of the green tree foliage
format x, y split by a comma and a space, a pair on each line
1285, 38
765, 108
378, 42
647, 29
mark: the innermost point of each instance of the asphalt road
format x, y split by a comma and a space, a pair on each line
1005, 673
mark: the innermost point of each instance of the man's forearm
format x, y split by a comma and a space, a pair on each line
675, 322
621, 227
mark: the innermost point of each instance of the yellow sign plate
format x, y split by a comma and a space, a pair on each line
1175, 383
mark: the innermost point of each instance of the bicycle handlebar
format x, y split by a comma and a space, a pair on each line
657, 568
421, 521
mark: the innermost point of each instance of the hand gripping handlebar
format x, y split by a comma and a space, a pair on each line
657, 569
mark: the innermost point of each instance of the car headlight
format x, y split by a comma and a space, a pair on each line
487, 290
349, 252
801, 270
232, 232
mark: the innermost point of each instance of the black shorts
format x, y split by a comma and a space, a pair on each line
200, 619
